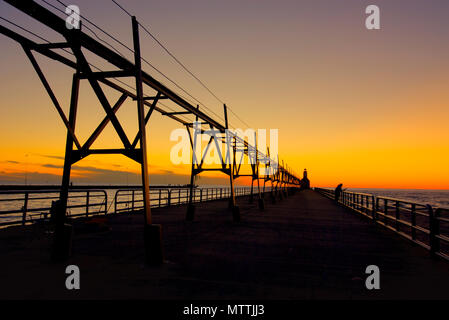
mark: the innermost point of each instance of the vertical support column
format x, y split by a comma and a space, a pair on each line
152, 232
285, 178
252, 186
62, 241
191, 207
271, 175
263, 190
235, 209
25, 209
279, 180
87, 203
256, 166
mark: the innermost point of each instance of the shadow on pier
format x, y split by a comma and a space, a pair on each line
302, 247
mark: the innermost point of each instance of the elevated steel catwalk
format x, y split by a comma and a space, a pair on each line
76, 41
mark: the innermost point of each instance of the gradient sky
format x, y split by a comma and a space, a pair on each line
365, 108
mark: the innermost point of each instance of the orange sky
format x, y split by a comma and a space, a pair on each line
365, 108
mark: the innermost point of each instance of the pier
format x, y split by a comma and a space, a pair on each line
147, 93
264, 234
302, 247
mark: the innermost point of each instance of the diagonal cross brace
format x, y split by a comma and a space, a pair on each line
51, 94
84, 66
103, 124
147, 117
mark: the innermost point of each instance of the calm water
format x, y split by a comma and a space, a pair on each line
436, 198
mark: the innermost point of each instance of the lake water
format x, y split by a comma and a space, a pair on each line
436, 198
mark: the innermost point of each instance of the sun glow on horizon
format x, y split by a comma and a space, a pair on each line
366, 109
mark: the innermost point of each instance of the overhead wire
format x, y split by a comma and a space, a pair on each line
88, 28
178, 61
171, 54
182, 65
143, 59
90, 64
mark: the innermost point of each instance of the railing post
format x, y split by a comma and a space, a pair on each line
434, 230
25, 208
168, 197
397, 215
105, 202
374, 204
386, 211
115, 201
160, 195
413, 220
87, 203
132, 200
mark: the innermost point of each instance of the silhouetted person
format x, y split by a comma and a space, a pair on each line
338, 190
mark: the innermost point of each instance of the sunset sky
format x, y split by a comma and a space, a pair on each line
367, 108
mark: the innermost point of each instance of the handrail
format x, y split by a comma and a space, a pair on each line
420, 223
33, 205
28, 206
165, 197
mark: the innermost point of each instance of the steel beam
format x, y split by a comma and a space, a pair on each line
51, 94
62, 236
56, 23
103, 124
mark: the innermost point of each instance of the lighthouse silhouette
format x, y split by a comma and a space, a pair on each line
305, 183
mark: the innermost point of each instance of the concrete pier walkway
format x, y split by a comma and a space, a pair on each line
302, 247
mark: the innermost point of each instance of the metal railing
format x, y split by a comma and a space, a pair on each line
27, 206
417, 222
127, 200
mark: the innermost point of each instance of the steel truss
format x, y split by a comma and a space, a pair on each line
77, 41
